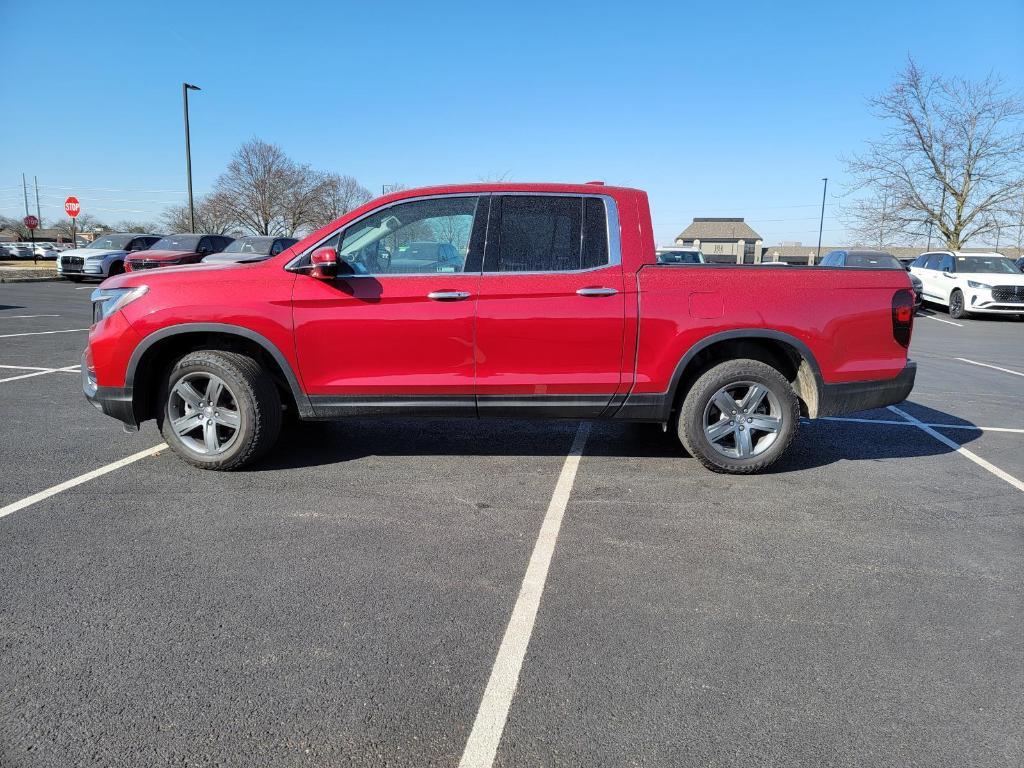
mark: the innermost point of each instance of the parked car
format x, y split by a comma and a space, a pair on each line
103, 257
967, 283
177, 249
869, 259
45, 251
555, 307
249, 249
18, 250
672, 255
1020, 263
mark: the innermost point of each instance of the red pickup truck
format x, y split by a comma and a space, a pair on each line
525, 300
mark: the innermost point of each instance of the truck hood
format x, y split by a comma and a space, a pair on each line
180, 273
163, 255
992, 278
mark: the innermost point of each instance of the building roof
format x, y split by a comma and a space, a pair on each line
732, 228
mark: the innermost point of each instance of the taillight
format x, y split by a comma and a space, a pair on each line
902, 316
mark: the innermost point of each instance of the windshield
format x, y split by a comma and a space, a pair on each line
177, 243
991, 264
259, 245
872, 260
111, 242
679, 257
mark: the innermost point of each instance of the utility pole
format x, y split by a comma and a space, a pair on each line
24, 188
39, 215
185, 88
821, 224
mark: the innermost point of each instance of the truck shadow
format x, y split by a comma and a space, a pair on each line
818, 443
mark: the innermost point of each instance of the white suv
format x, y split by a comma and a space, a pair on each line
970, 282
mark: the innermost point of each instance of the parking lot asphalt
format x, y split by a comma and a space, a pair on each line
344, 602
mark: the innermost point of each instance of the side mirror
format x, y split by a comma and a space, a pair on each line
325, 263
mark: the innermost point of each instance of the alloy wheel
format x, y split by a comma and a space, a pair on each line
203, 413
742, 419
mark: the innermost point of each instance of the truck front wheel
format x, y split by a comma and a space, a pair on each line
219, 410
738, 417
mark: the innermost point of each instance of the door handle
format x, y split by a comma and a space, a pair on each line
596, 292
448, 295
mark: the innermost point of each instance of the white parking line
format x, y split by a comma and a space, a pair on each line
66, 369
483, 741
23, 317
940, 320
986, 465
988, 365
26, 367
41, 333
54, 490
893, 422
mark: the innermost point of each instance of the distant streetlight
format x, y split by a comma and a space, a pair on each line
821, 224
185, 88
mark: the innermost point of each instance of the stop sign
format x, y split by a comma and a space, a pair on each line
31, 222
71, 206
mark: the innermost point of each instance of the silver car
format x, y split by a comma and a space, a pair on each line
103, 257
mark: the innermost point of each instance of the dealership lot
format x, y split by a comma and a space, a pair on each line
344, 603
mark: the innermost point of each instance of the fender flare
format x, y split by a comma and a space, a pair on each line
657, 406
301, 399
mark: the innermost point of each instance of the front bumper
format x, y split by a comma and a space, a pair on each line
113, 401
837, 399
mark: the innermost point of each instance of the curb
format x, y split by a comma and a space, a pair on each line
28, 278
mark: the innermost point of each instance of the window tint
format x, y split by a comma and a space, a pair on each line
549, 233
933, 261
920, 260
417, 238
595, 234
540, 233
946, 263
872, 261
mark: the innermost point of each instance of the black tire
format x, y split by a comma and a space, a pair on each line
956, 304
254, 395
690, 420
117, 268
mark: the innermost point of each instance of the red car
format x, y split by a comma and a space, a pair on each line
496, 300
177, 249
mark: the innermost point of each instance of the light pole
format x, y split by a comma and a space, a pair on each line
821, 224
185, 88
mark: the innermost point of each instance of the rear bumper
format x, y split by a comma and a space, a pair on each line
837, 399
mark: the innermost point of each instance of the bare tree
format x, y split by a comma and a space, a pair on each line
339, 194
952, 155
874, 220
258, 186
135, 226
214, 216
15, 225
84, 223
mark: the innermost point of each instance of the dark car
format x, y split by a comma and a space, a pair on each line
249, 249
1020, 263
867, 259
177, 249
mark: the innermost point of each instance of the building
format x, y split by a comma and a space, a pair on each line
723, 240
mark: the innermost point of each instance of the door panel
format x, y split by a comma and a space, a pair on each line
380, 341
384, 336
549, 334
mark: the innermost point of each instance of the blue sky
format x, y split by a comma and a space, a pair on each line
715, 109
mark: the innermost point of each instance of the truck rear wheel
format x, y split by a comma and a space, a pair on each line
738, 417
219, 410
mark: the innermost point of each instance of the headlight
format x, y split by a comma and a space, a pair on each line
106, 301
972, 284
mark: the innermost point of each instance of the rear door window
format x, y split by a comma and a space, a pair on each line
549, 233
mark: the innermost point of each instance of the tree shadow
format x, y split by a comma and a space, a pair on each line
818, 443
